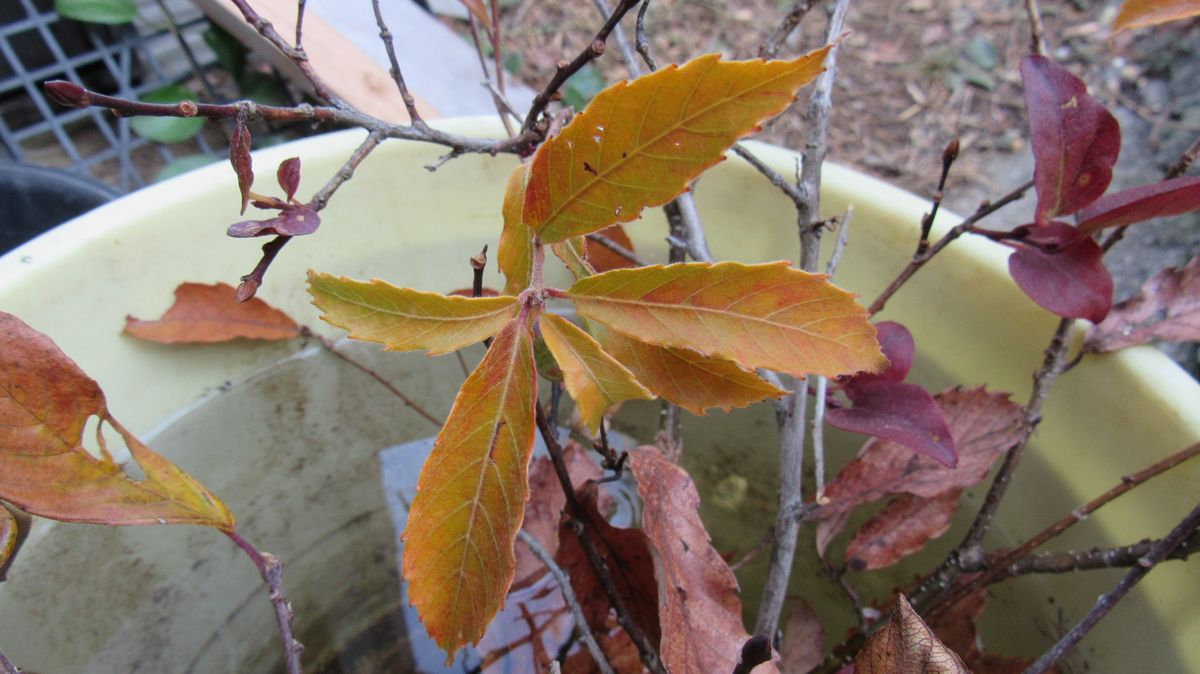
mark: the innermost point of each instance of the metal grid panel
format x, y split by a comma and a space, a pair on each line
124, 60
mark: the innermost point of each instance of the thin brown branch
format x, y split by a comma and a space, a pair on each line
776, 178
564, 584
1108, 600
641, 43
1037, 35
329, 346
1096, 558
774, 43
617, 248
994, 567
793, 426
345, 172
565, 71
385, 35
649, 654
969, 551
920, 259
294, 53
627, 54
270, 568
300, 7
948, 157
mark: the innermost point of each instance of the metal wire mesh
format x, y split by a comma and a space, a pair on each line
37, 45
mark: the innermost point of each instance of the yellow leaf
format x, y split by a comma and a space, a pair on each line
403, 319
45, 403
640, 143
689, 379
761, 315
514, 255
906, 646
1144, 13
595, 380
458, 547
11, 533
573, 253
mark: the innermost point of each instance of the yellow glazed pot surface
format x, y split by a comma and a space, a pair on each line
397, 221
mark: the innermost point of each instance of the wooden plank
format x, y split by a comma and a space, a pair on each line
348, 70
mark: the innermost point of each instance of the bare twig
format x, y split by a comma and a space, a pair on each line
994, 567
617, 248
843, 238
793, 427
1037, 36
345, 172
1096, 558
643, 45
948, 157
774, 176
1107, 601
566, 70
329, 346
6, 666
295, 53
300, 7
920, 259
649, 654
627, 54
564, 584
774, 42
270, 568
385, 35
818, 437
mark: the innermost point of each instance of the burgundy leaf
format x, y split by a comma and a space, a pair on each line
901, 529
898, 346
1168, 309
239, 156
288, 176
1063, 272
904, 413
1156, 200
1075, 140
984, 425
291, 222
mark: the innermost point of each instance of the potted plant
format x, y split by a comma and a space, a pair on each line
300, 459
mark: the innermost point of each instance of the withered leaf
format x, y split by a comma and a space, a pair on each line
45, 402
698, 600
984, 426
1168, 309
288, 175
1143, 13
902, 528
205, 314
626, 553
239, 157
803, 645
906, 646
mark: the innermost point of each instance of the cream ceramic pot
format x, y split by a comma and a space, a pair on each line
291, 439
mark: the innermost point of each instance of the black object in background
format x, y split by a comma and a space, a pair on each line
34, 199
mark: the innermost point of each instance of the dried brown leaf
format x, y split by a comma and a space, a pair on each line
205, 314
902, 528
1168, 309
803, 640
907, 646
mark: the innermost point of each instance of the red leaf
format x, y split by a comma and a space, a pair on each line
626, 552
603, 259
898, 346
1156, 200
1168, 309
296, 221
698, 600
1075, 140
206, 314
239, 157
900, 529
543, 511
803, 645
288, 176
904, 413
1063, 272
984, 425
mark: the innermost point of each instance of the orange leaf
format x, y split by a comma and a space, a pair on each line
906, 646
602, 258
901, 529
1143, 13
691, 380
403, 319
458, 546
204, 314
595, 380
479, 12
45, 402
14, 527
640, 143
760, 315
698, 600
514, 255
